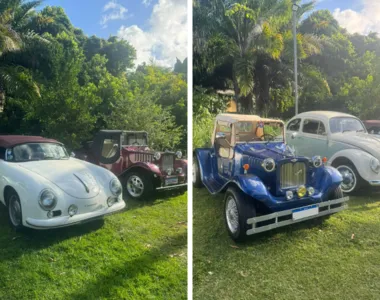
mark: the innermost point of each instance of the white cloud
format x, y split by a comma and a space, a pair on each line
147, 2
166, 37
115, 11
363, 21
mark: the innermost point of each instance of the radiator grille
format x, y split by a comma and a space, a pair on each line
292, 175
140, 157
167, 162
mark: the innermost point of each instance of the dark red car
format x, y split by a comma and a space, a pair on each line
140, 169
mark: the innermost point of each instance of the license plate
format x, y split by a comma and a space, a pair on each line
170, 181
305, 212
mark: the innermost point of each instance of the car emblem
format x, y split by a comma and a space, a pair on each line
294, 160
298, 173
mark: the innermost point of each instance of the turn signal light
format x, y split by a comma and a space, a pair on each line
245, 167
324, 160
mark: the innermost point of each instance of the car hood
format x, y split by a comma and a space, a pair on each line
71, 176
367, 142
277, 150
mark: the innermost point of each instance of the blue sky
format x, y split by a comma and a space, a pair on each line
87, 15
156, 28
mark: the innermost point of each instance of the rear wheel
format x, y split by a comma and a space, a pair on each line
14, 211
196, 173
137, 185
237, 210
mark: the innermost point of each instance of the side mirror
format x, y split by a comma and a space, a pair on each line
220, 135
72, 154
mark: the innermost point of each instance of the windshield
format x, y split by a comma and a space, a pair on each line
259, 131
135, 139
36, 151
343, 124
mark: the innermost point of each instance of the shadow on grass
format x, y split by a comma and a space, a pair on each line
14, 244
116, 276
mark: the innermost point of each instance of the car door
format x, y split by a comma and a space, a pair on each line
108, 150
223, 150
292, 133
313, 138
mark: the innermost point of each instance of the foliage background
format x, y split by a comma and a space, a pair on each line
57, 82
247, 46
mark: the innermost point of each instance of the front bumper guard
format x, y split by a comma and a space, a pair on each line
174, 186
328, 208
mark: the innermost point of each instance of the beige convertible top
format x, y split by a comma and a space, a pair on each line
234, 118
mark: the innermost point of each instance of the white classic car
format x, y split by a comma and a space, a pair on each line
43, 187
343, 140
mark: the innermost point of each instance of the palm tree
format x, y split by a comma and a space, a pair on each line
254, 37
15, 35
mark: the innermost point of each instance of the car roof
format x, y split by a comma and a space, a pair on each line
234, 118
8, 141
324, 114
371, 122
122, 131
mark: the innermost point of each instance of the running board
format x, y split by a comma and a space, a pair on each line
171, 186
338, 205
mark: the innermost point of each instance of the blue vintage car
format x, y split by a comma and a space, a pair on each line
266, 186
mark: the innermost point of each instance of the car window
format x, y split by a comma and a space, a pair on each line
2, 153
110, 147
294, 125
226, 128
313, 127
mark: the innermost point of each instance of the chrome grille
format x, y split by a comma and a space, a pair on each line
292, 175
167, 162
140, 157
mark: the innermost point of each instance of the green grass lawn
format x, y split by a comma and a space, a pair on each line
335, 258
139, 253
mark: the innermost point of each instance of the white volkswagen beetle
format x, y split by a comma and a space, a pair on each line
43, 187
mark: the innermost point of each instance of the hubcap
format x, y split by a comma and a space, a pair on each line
349, 178
135, 186
15, 211
232, 215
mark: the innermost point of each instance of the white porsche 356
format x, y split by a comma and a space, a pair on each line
43, 187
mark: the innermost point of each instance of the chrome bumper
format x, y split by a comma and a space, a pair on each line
374, 182
77, 219
338, 205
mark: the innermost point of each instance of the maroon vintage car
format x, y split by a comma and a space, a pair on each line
373, 126
140, 169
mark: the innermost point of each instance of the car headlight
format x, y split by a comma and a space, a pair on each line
310, 191
115, 187
317, 161
301, 192
48, 200
375, 165
269, 164
178, 154
157, 155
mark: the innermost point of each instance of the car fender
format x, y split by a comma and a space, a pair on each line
203, 157
359, 158
252, 185
147, 166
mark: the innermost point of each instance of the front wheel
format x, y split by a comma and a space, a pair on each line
14, 211
237, 210
351, 178
137, 186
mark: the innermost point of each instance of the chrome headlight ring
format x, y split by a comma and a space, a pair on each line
375, 165
178, 154
115, 187
269, 164
157, 155
317, 161
47, 200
